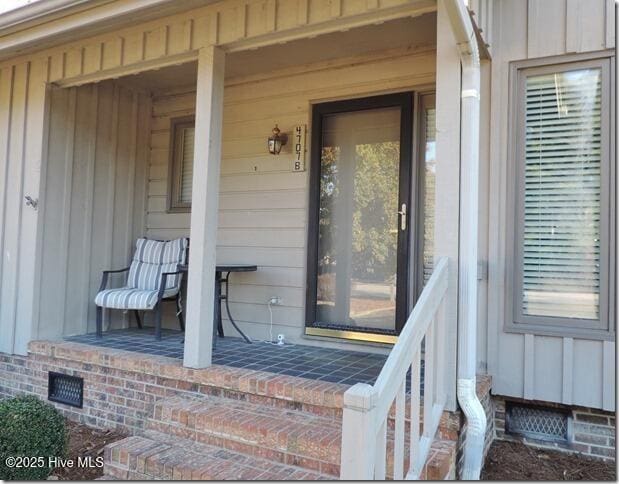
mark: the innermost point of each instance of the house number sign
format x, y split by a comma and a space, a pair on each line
298, 164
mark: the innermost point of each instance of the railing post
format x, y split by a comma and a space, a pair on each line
359, 433
441, 347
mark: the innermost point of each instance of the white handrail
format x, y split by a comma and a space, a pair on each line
367, 407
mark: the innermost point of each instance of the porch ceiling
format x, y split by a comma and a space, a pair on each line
395, 35
165, 79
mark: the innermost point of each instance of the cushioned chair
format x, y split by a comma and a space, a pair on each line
153, 277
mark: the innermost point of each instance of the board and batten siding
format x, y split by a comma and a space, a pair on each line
569, 370
94, 200
176, 38
22, 110
263, 203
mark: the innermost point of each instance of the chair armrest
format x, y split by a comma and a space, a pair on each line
106, 274
164, 280
117, 270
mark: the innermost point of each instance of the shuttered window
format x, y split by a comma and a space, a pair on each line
182, 132
563, 243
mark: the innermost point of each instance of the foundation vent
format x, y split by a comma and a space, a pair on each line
539, 423
65, 389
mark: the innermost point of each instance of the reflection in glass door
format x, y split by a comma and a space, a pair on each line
359, 257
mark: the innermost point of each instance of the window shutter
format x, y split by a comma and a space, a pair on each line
186, 172
560, 251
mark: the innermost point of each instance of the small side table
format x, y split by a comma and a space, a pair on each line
220, 296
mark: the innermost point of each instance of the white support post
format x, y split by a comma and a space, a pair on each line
204, 208
358, 434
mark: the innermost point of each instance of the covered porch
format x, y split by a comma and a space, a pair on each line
111, 176
116, 171
214, 418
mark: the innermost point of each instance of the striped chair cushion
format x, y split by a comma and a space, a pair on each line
154, 257
151, 259
129, 298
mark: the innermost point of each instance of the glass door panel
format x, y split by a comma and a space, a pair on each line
358, 219
358, 267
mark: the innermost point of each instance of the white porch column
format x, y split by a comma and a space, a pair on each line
204, 208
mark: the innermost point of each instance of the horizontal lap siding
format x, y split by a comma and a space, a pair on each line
566, 370
95, 199
263, 204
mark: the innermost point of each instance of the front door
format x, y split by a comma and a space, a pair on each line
360, 218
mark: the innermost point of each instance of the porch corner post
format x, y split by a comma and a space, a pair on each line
204, 208
358, 447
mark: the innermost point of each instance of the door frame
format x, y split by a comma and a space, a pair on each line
404, 100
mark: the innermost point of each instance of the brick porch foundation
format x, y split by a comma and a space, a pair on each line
592, 431
279, 425
121, 387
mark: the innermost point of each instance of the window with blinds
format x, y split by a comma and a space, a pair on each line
182, 133
186, 162
429, 177
563, 199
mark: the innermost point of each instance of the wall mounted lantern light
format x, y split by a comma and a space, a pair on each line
276, 141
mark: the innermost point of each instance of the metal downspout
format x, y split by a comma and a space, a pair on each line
467, 289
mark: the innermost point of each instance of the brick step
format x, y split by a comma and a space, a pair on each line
164, 457
158, 456
285, 436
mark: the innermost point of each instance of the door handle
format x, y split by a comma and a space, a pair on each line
403, 217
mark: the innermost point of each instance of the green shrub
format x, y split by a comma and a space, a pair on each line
29, 428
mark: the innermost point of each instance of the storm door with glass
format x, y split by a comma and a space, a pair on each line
358, 251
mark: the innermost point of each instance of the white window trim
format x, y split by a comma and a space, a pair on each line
604, 327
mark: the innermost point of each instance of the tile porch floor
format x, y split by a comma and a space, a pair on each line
326, 364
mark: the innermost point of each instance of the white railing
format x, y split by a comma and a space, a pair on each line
367, 407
